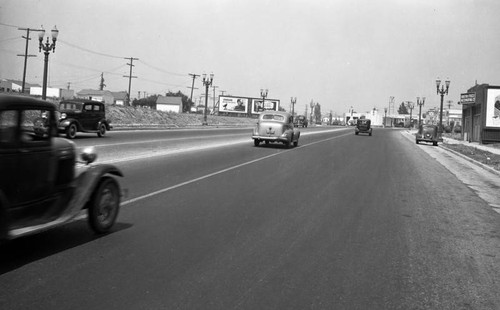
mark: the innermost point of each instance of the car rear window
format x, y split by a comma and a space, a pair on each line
274, 117
70, 106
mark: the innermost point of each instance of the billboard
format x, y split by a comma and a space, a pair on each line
270, 104
493, 108
233, 104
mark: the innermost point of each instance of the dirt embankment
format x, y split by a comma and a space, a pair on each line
130, 117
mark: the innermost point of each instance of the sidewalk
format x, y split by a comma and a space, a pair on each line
492, 148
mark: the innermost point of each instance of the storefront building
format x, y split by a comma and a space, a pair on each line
481, 114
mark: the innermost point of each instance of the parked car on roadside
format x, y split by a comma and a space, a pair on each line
427, 133
363, 126
42, 184
275, 127
82, 115
300, 121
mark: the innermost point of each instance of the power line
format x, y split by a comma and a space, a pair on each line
161, 70
90, 51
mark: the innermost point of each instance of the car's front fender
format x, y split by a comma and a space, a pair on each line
86, 180
63, 124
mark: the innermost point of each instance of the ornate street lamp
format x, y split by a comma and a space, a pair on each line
411, 105
442, 92
263, 94
207, 82
47, 47
293, 101
420, 104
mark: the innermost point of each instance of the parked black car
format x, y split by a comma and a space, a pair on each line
427, 133
42, 184
363, 126
81, 115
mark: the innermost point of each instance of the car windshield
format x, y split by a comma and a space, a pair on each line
70, 106
273, 117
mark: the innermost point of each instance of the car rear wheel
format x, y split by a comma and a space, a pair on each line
102, 130
435, 143
71, 131
256, 142
417, 142
104, 205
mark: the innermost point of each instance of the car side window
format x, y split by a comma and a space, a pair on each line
97, 107
35, 127
8, 126
88, 107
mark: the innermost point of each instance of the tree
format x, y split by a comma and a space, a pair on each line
317, 113
403, 109
145, 102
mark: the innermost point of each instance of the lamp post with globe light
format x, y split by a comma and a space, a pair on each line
263, 94
206, 82
420, 103
47, 47
443, 91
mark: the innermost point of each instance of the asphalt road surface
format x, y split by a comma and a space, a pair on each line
212, 222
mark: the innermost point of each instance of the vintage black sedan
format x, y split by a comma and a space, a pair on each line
275, 127
363, 125
82, 115
42, 184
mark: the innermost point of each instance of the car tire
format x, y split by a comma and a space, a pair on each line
101, 130
288, 143
104, 205
71, 131
256, 142
417, 142
296, 143
435, 143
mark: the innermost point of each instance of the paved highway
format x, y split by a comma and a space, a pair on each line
212, 222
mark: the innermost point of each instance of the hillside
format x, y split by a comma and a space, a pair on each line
131, 117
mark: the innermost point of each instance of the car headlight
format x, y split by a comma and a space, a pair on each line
63, 116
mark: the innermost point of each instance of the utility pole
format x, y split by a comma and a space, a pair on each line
130, 76
192, 86
213, 106
102, 85
27, 37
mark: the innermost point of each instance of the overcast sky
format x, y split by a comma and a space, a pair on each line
339, 53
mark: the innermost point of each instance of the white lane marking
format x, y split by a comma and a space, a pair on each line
246, 139
222, 171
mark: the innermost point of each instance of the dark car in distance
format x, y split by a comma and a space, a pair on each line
300, 121
82, 115
363, 126
42, 183
427, 133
